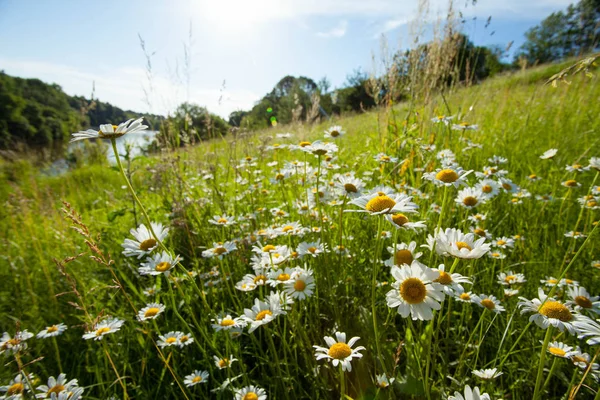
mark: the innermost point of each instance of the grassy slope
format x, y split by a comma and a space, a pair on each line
518, 118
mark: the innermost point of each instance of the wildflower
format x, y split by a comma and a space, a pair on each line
301, 286
311, 248
594, 163
547, 311
571, 183
488, 188
469, 198
219, 250
103, 328
511, 278
595, 264
52, 330
227, 322
559, 349
224, 362
451, 283
576, 168
548, 154
151, 311
56, 386
533, 178
588, 328
511, 292
503, 242
401, 221
108, 131
470, 394
457, 244
338, 351
159, 264
222, 220
381, 203
385, 159
415, 291
442, 119
170, 339
489, 302
319, 148
195, 378
464, 126
575, 235
465, 297
151, 291
260, 314
17, 387
334, 132
349, 186
450, 176
403, 254
251, 393
487, 374
144, 242
383, 381
581, 300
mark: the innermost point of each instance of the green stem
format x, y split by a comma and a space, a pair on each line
342, 384
540, 371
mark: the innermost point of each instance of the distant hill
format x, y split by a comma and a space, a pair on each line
37, 114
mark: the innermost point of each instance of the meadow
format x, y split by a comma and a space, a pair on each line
280, 238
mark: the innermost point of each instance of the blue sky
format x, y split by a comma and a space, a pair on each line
238, 49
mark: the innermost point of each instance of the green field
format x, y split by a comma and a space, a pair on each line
51, 273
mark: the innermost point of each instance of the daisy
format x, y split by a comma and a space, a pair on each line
489, 188
144, 241
457, 244
279, 276
487, 374
451, 283
159, 264
383, 381
219, 250
576, 168
260, 314
301, 287
511, 292
595, 264
403, 254
381, 203
415, 291
442, 119
349, 186
465, 297
469, 198
109, 131
384, 158
170, 339
470, 395
222, 220
547, 311
589, 328
334, 132
559, 349
497, 160
488, 302
548, 154
571, 183
311, 248
291, 229
185, 340
195, 378
319, 148
56, 386
503, 242
533, 178
450, 176
227, 322
594, 163
401, 221
17, 387
103, 328
151, 311
465, 126
511, 278
224, 362
251, 393
338, 351
52, 330
575, 235
581, 300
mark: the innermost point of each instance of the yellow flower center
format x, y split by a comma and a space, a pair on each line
380, 203
470, 201
576, 166
571, 183
506, 186
334, 133
556, 351
16, 388
102, 331
250, 396
197, 379
57, 389
495, 254
268, 248
287, 228
261, 315
413, 291
583, 301
553, 309
463, 245
501, 242
171, 340
147, 244
220, 250
403, 257
52, 329
384, 158
579, 359
486, 189
350, 188
489, 304
304, 144
480, 232
444, 278
339, 351
223, 362
163, 266
227, 322
299, 285
151, 312
532, 176
592, 203
465, 296
447, 176
283, 277
260, 279
312, 249
222, 221
399, 219
510, 278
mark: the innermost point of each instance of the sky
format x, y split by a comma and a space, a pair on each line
226, 54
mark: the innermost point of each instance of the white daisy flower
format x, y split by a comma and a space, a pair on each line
384, 158
487, 374
17, 387
109, 131
227, 322
383, 381
401, 221
594, 163
470, 198
195, 378
159, 264
349, 186
571, 183
56, 386
103, 328
451, 283
280, 276
311, 248
465, 126
465, 297
403, 254
260, 314
442, 119
559, 349
219, 250
334, 132
415, 291
548, 154
496, 255
144, 242
319, 148
251, 393
489, 302
547, 311
301, 286
151, 311
338, 351
582, 360
52, 330
511, 278
222, 220
381, 203
450, 176
581, 300
587, 328
595, 264
503, 242
575, 235
470, 394
511, 292
454, 243
224, 362
489, 188
576, 168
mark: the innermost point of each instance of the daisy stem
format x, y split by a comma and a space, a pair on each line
445, 198
462, 355
540, 371
112, 364
55, 343
454, 264
132, 191
552, 368
374, 287
342, 384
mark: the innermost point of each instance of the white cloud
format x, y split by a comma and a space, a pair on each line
336, 32
124, 88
